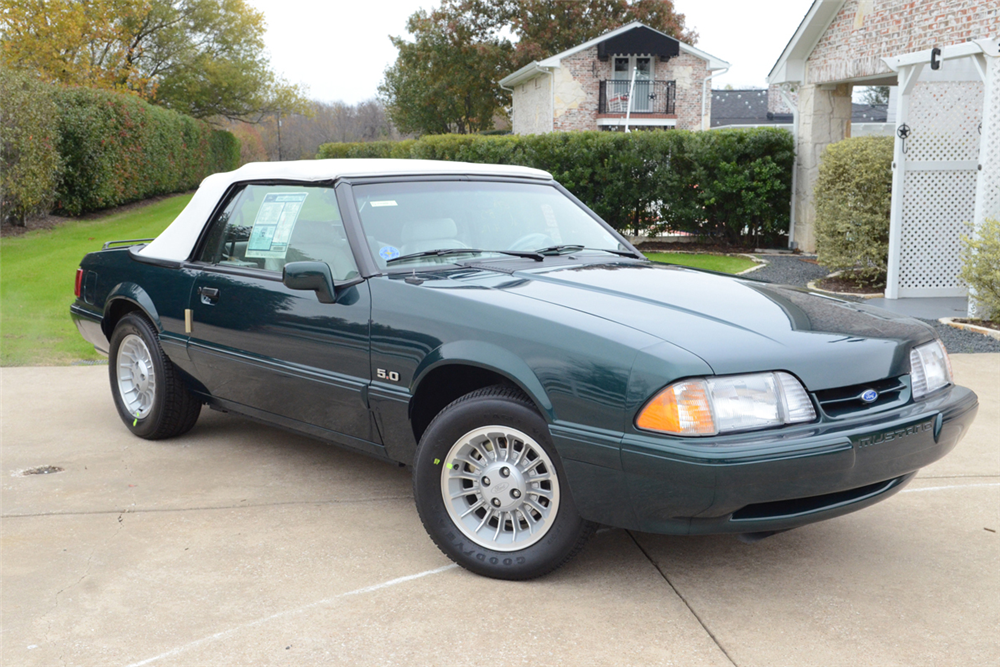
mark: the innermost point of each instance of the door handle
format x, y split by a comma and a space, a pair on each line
208, 294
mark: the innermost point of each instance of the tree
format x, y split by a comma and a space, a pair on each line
446, 79
547, 27
200, 57
875, 95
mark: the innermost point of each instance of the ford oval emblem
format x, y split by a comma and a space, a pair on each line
869, 396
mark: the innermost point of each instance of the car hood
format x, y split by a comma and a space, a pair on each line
737, 325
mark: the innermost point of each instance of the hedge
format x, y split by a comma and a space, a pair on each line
117, 149
853, 198
74, 150
734, 185
29, 157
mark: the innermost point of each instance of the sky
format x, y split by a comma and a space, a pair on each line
339, 49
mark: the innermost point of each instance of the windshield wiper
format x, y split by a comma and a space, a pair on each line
530, 254
559, 249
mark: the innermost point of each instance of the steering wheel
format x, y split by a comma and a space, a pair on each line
531, 242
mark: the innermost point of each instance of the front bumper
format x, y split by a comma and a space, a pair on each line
766, 481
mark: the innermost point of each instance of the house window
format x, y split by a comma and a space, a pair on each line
622, 80
624, 65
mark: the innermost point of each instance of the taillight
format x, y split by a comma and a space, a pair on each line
79, 282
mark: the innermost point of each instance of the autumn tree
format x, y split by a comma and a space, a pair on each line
445, 80
201, 57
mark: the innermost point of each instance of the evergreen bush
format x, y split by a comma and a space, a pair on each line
853, 197
981, 268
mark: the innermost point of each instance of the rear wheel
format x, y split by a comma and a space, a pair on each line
490, 489
148, 392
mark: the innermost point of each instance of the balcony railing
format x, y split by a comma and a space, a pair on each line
647, 97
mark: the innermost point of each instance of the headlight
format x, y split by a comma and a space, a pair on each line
708, 406
930, 368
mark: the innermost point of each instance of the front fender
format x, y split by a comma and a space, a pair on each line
488, 357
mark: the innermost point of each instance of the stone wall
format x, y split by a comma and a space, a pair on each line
578, 90
532, 106
824, 118
865, 31
689, 72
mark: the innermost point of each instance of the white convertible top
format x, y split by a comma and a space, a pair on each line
177, 240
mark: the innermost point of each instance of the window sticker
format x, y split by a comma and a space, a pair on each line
388, 252
273, 226
384, 202
551, 223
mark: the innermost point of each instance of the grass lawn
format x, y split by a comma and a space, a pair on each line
720, 263
38, 272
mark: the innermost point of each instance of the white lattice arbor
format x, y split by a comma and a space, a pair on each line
946, 165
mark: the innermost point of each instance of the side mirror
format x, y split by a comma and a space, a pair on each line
315, 276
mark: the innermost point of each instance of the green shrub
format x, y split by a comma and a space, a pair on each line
853, 196
732, 184
29, 157
117, 149
981, 268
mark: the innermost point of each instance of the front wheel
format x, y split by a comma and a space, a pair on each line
491, 491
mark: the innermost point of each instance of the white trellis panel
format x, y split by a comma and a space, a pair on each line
940, 169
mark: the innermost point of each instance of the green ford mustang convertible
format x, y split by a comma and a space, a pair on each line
480, 324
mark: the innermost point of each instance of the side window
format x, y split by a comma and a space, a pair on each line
267, 226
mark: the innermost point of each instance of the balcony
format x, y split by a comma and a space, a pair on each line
648, 97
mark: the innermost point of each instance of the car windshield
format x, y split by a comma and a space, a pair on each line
418, 218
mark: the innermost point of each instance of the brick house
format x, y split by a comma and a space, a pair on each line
843, 43
587, 87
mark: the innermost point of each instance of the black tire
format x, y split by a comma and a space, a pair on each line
174, 410
493, 406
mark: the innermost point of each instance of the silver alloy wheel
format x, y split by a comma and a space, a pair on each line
136, 377
500, 488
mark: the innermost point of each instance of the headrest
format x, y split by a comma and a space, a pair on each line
427, 230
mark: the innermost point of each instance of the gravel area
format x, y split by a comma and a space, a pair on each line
959, 340
791, 270
788, 270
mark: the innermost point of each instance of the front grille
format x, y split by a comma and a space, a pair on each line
846, 401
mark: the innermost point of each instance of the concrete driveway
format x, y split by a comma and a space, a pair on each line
242, 544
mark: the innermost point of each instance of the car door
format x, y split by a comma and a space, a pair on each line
276, 352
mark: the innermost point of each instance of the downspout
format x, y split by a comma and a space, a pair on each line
552, 97
706, 123
795, 162
511, 90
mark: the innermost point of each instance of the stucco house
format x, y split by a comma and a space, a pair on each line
587, 87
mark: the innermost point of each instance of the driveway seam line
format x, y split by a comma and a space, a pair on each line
202, 509
684, 600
